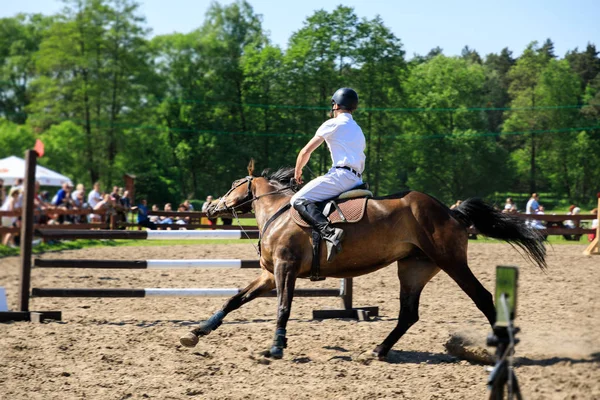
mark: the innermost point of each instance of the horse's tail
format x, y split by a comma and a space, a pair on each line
495, 224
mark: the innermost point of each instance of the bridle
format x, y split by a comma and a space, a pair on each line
249, 197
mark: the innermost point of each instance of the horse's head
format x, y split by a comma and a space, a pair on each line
238, 199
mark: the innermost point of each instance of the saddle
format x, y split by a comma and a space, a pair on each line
348, 207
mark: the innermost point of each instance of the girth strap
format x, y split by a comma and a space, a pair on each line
315, 268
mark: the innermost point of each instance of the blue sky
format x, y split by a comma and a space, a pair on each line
487, 26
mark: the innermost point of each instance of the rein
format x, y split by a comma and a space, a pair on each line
251, 199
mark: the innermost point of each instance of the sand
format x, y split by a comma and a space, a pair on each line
129, 348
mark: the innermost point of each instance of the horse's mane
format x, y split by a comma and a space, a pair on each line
280, 178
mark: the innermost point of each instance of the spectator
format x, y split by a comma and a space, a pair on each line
60, 195
510, 207
94, 197
188, 205
143, 219
211, 221
125, 200
10, 222
107, 205
182, 220
573, 210
537, 224
533, 204
154, 218
165, 219
115, 193
78, 189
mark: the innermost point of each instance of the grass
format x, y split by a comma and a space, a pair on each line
6, 251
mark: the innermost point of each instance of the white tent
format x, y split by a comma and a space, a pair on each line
13, 168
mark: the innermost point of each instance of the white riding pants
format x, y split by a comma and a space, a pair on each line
333, 183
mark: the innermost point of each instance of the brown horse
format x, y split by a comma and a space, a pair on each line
413, 229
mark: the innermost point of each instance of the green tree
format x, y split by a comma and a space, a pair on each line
20, 39
447, 155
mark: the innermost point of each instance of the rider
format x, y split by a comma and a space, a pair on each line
346, 142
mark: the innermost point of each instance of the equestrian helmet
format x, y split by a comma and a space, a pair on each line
345, 98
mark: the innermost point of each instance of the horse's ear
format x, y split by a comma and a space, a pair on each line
251, 167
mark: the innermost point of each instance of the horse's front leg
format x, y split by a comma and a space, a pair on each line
285, 277
262, 284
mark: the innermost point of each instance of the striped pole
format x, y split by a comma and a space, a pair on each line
175, 292
146, 264
147, 235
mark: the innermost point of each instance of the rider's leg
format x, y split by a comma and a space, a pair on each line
323, 188
311, 214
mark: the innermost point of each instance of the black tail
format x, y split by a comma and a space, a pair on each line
493, 223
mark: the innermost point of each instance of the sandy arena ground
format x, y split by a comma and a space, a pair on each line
129, 348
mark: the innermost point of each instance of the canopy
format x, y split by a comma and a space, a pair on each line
13, 168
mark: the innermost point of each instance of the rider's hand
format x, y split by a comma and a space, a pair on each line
298, 177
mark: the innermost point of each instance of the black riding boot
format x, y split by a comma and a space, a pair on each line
333, 236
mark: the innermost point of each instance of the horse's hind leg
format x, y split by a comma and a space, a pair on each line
463, 276
414, 274
262, 284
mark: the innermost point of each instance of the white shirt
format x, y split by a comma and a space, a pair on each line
94, 198
345, 140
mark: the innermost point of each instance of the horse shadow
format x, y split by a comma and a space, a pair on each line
547, 362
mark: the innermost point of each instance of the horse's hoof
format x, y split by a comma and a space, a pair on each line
189, 340
379, 353
276, 352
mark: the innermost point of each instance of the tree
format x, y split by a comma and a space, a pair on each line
448, 156
586, 64
93, 71
525, 77
20, 39
496, 68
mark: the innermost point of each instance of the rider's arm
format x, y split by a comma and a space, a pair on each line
304, 156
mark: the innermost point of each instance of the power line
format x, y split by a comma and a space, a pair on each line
365, 109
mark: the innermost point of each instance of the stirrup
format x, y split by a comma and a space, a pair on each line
333, 243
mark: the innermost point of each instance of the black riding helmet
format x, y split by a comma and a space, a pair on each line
345, 98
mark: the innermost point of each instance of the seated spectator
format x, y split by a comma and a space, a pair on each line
182, 220
573, 210
79, 189
188, 205
537, 224
143, 219
510, 207
154, 218
94, 196
163, 220
63, 192
106, 205
125, 200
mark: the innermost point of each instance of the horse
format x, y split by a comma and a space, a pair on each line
413, 229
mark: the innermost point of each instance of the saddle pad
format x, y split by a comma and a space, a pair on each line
353, 210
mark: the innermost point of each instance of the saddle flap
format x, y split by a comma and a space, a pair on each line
353, 211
